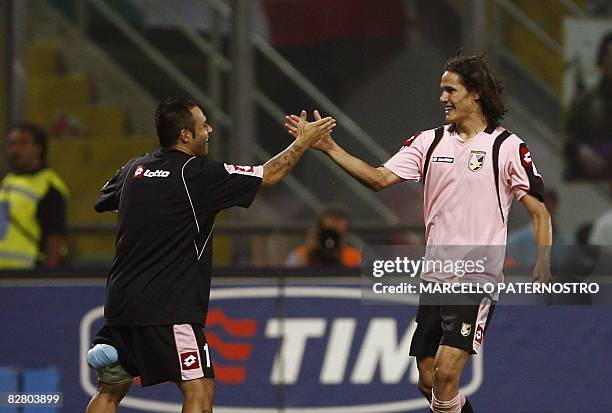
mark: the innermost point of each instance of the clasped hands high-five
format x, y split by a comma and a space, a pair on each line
316, 134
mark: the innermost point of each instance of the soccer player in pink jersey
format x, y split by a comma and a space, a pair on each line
471, 168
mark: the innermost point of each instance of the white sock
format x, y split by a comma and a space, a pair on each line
448, 406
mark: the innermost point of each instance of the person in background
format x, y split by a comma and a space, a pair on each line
588, 149
326, 244
601, 230
32, 204
600, 239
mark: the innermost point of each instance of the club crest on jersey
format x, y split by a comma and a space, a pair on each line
466, 329
476, 160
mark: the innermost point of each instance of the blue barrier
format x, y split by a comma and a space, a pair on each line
9, 379
41, 381
314, 345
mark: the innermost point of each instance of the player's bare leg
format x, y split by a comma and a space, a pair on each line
197, 395
426, 370
448, 366
107, 397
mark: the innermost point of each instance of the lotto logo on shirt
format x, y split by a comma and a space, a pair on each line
141, 172
525, 156
526, 161
190, 360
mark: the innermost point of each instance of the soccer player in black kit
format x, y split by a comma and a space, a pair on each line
159, 284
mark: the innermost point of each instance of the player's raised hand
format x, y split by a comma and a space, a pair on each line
309, 132
302, 121
326, 141
292, 123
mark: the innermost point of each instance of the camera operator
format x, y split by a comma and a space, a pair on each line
326, 243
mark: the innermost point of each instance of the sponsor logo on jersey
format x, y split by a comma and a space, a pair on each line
443, 159
526, 160
141, 172
466, 329
190, 360
525, 157
476, 160
158, 173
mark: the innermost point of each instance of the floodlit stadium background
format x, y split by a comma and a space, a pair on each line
91, 73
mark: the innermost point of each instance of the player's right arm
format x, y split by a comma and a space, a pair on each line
375, 178
309, 132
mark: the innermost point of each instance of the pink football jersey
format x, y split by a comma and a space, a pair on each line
463, 206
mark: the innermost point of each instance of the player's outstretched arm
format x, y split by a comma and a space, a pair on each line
283, 163
372, 177
542, 233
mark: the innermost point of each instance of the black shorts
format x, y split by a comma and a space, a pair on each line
169, 353
460, 325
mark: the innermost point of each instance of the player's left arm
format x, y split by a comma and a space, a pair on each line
51, 215
53, 248
110, 193
542, 233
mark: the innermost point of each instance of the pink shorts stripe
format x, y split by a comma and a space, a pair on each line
188, 352
481, 322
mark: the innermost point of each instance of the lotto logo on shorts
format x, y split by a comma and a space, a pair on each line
190, 360
478, 336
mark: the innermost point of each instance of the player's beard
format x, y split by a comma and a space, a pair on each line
204, 147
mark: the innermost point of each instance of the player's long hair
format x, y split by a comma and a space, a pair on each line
477, 77
171, 116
